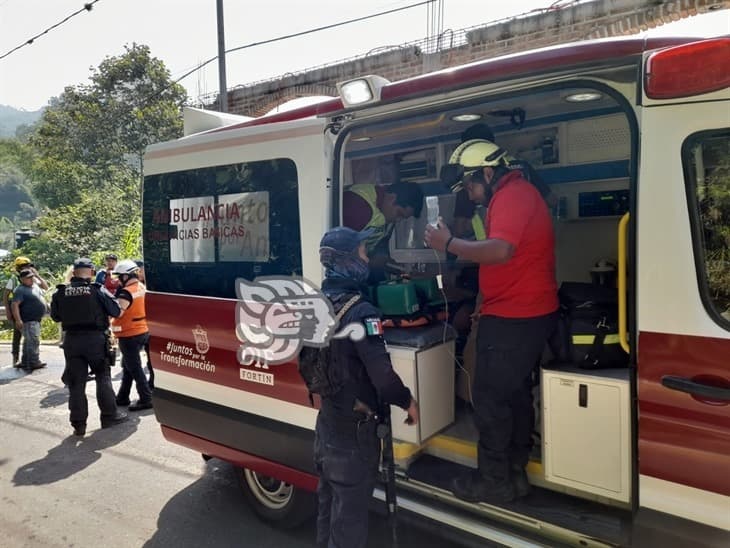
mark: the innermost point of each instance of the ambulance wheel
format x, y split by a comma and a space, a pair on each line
276, 501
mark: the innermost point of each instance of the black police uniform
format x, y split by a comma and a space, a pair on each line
347, 450
83, 308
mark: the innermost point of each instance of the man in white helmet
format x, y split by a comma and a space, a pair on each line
130, 329
517, 315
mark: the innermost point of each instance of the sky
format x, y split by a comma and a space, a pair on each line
183, 34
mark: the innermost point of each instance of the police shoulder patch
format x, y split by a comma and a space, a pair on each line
373, 326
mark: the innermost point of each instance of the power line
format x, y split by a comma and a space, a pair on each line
87, 7
294, 35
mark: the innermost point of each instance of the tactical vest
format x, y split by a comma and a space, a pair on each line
133, 321
377, 219
80, 309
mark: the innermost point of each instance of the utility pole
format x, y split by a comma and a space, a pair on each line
223, 94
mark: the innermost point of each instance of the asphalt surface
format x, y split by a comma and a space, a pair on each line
124, 486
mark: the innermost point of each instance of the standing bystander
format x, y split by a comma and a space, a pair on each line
20, 263
29, 307
104, 277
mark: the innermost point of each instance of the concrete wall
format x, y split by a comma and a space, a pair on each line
596, 19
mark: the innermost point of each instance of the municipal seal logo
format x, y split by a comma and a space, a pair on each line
201, 339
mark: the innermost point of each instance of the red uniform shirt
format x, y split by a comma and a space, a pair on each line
524, 286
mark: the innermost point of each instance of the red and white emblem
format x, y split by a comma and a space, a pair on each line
201, 339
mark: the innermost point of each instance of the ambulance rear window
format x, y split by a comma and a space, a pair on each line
203, 228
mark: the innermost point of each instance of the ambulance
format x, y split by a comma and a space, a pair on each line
632, 137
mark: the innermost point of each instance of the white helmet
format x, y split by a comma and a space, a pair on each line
127, 266
476, 153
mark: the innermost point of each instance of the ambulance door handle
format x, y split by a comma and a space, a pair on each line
700, 390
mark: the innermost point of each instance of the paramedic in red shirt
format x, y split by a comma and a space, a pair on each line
516, 318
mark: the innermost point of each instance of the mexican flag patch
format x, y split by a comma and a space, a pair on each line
373, 326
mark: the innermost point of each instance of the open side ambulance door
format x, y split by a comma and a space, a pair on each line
683, 349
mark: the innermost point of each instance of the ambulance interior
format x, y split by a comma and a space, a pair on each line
578, 140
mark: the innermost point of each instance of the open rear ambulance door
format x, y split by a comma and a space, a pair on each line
683, 349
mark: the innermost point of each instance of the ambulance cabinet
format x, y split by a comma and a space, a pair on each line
429, 373
587, 430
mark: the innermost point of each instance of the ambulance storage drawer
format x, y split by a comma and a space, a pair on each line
586, 431
429, 374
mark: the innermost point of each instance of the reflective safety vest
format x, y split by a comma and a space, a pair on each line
133, 321
477, 225
377, 219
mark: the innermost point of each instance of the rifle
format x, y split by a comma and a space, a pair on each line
385, 434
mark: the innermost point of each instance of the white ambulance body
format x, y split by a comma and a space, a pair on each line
633, 138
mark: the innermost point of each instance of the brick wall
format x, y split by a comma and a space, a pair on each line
596, 19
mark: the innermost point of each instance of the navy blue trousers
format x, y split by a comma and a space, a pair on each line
346, 456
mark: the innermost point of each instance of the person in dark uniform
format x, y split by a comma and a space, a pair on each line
346, 447
83, 308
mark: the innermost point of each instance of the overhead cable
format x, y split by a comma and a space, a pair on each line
296, 34
87, 7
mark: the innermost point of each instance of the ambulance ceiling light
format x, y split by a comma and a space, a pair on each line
466, 117
361, 139
583, 97
361, 91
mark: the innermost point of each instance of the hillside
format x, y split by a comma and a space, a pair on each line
11, 118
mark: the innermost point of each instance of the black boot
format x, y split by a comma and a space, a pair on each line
118, 418
474, 487
140, 405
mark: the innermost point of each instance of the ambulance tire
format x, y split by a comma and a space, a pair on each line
276, 501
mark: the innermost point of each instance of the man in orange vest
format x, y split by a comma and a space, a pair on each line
130, 329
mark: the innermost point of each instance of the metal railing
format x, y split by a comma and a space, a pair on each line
447, 40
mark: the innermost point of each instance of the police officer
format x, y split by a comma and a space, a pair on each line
83, 308
347, 449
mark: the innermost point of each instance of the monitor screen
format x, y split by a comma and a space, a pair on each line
406, 242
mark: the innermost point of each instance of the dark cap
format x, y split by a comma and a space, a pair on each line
477, 131
83, 262
25, 274
110, 256
344, 239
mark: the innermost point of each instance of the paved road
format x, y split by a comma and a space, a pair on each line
123, 486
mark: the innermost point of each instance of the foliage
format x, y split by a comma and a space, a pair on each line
714, 200
84, 158
94, 135
17, 206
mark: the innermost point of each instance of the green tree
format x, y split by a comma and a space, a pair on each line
87, 154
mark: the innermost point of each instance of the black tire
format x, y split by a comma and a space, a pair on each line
275, 501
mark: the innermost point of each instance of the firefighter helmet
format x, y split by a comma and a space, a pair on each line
21, 261
127, 266
476, 153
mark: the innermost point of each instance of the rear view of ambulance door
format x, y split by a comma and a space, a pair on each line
683, 284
